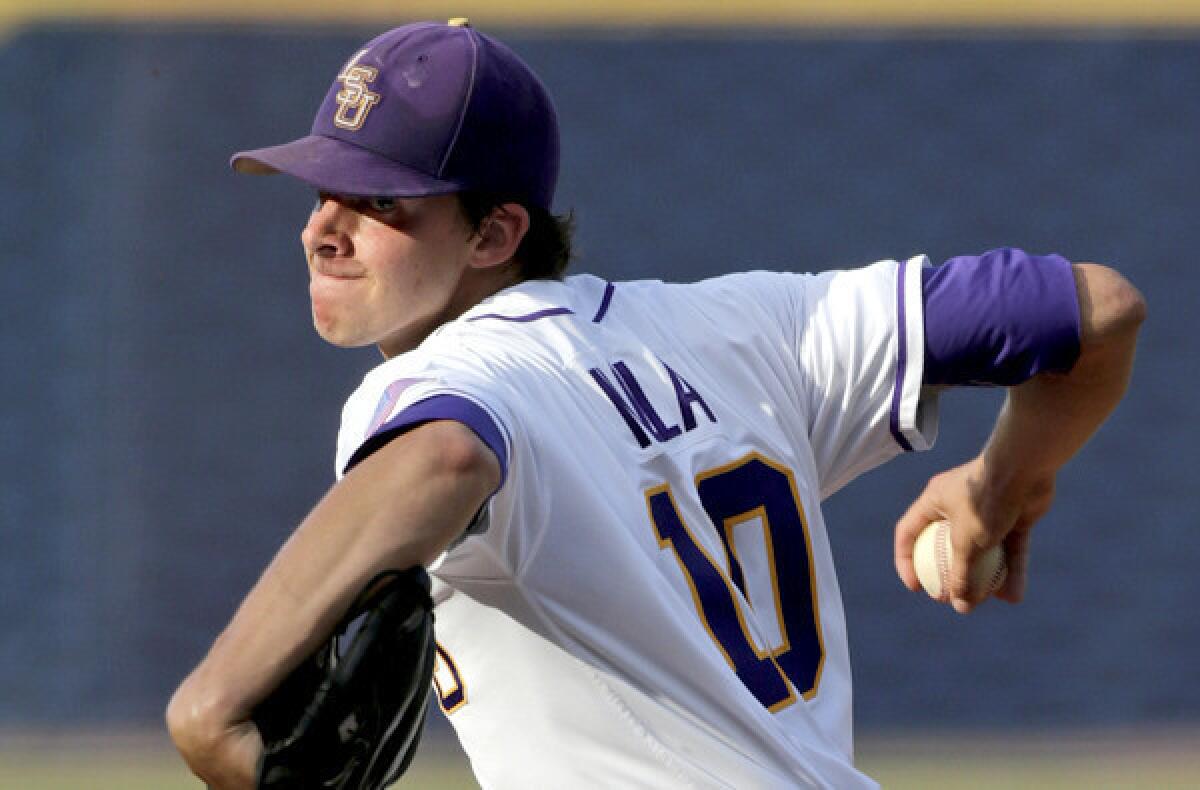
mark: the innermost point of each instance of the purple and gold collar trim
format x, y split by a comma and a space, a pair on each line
548, 312
527, 317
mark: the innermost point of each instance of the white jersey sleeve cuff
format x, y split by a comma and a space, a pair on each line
914, 417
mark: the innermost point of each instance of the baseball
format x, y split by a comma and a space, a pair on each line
933, 553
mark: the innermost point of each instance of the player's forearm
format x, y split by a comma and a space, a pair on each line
396, 509
1047, 419
999, 496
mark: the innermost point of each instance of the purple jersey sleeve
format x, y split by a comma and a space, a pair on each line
999, 318
438, 407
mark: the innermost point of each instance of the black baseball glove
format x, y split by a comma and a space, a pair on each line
349, 717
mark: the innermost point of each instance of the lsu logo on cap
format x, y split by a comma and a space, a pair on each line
354, 99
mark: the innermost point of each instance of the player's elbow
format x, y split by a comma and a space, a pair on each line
1111, 309
193, 721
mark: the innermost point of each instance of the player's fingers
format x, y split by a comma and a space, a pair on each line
919, 514
1016, 550
964, 542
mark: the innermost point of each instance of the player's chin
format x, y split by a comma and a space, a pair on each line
337, 333
343, 342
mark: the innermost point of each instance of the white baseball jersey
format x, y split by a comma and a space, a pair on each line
649, 599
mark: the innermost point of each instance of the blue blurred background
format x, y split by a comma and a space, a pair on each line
167, 414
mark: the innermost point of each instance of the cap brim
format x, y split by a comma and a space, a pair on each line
332, 165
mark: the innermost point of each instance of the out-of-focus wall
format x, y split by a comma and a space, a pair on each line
719, 15
167, 415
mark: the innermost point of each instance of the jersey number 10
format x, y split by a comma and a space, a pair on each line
752, 487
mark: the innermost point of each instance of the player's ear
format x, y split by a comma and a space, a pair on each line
500, 234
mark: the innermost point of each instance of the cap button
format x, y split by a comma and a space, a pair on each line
459, 21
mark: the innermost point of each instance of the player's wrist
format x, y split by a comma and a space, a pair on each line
1000, 487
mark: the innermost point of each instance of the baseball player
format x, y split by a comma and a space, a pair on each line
617, 486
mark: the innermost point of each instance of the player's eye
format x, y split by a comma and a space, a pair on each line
382, 204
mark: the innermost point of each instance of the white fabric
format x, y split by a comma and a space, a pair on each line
583, 652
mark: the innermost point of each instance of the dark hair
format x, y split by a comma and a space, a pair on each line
545, 251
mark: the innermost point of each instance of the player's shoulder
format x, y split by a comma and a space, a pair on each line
440, 383
493, 339
527, 308
665, 293
725, 301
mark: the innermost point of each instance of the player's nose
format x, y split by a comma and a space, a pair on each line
327, 229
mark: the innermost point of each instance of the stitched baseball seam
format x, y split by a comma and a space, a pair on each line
997, 576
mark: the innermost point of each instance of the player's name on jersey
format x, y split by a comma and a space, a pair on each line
639, 413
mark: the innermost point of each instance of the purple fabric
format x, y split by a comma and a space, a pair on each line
549, 311
901, 359
999, 319
604, 302
438, 407
426, 109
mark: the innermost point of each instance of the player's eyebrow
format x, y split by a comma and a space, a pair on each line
359, 203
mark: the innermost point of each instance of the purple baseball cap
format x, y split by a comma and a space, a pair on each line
426, 109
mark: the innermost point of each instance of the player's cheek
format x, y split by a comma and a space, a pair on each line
320, 306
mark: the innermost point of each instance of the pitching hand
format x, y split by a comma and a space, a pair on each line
983, 511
